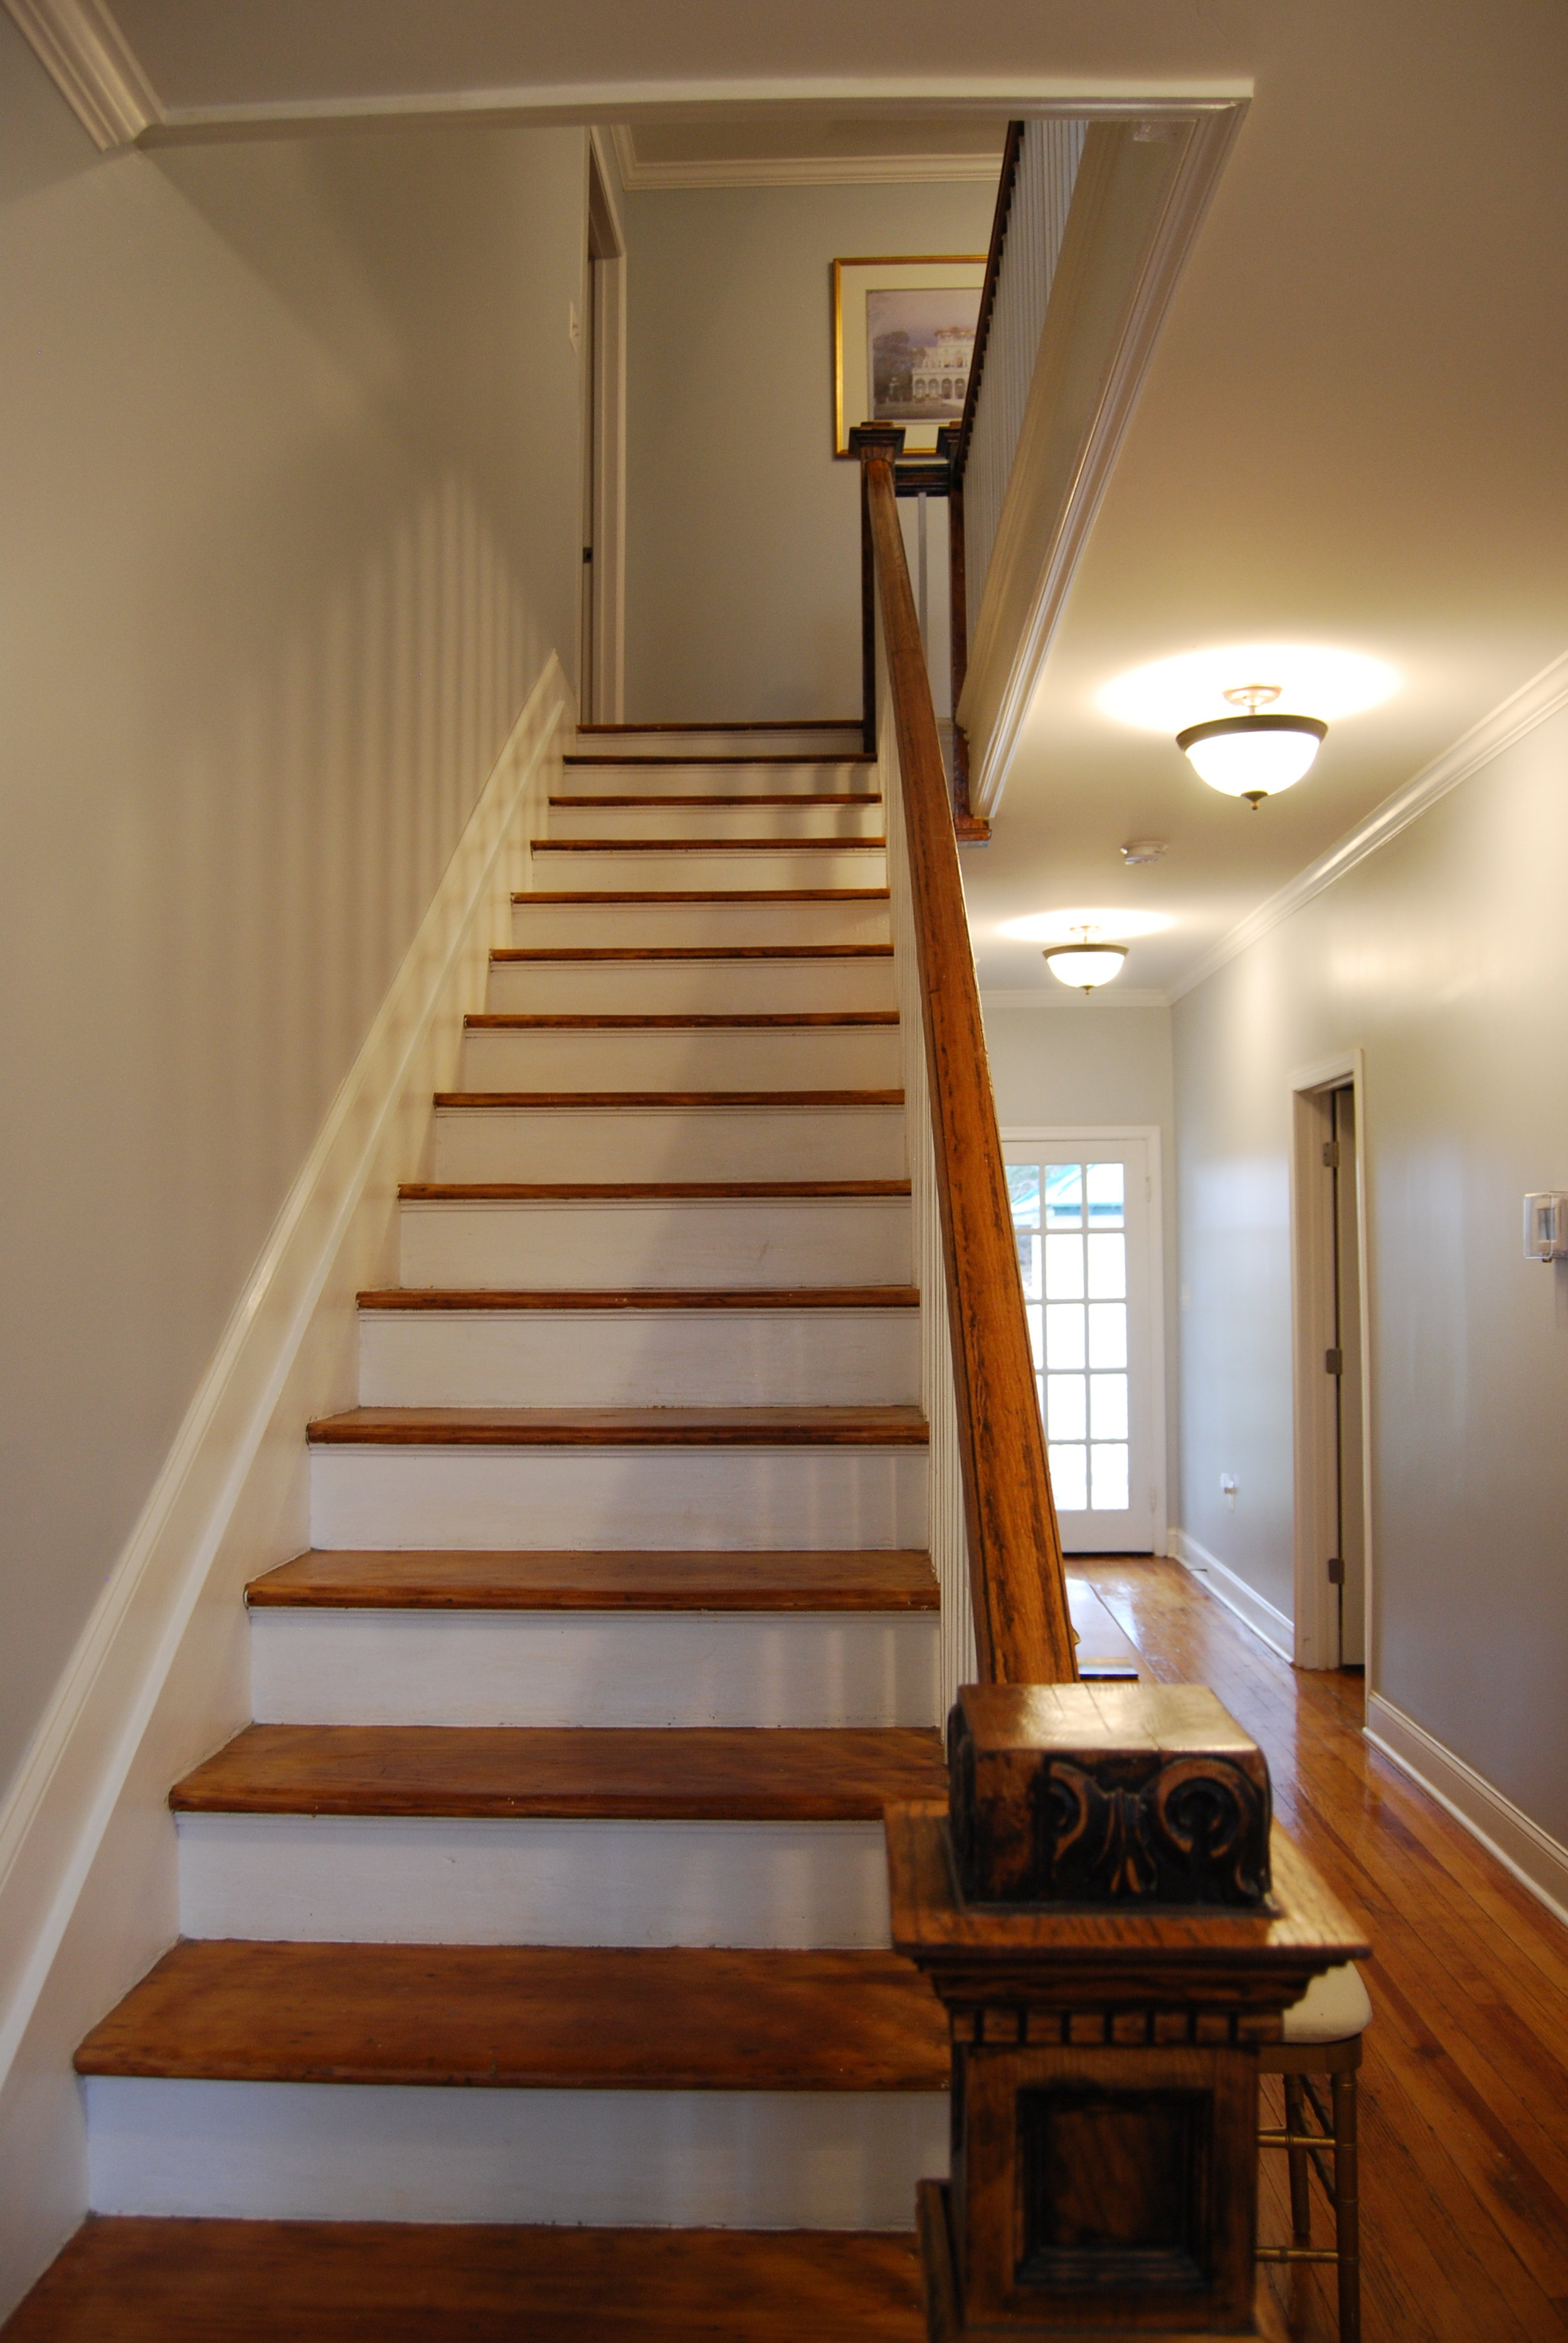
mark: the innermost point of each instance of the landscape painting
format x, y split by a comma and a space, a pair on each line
920, 346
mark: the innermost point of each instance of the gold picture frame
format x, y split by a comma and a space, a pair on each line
896, 299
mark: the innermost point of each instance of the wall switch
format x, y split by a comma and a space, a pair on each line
1546, 1225
1228, 1489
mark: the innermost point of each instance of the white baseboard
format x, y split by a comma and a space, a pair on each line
1251, 1608
159, 1678
1536, 1860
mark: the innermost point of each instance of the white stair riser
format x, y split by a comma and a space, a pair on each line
809, 817
634, 1143
716, 988
681, 1058
722, 1240
854, 920
712, 866
615, 1500
724, 763
366, 2152
639, 1358
435, 1880
609, 1669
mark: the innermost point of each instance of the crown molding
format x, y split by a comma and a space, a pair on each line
1512, 718
797, 170
93, 67
1131, 996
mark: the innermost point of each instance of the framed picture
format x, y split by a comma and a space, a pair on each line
903, 340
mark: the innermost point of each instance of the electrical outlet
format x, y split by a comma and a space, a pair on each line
574, 325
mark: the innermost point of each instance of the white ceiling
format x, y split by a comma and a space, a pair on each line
1353, 429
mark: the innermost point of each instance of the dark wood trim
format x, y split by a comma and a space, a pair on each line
1018, 1584
408, 1580
857, 845
1006, 186
704, 895
602, 1191
747, 724
620, 1427
701, 1774
701, 1297
487, 1098
764, 1021
648, 800
770, 757
968, 827
574, 953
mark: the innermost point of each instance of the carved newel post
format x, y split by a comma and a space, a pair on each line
1113, 1925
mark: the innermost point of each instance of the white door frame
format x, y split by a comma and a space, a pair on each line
1075, 1134
1317, 1608
605, 279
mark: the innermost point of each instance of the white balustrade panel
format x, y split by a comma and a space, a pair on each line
1048, 163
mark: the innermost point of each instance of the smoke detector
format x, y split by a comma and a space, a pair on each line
1142, 849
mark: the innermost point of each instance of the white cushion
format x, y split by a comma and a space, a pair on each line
1333, 2007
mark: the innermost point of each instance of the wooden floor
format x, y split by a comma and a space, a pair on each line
1464, 2091
1464, 2117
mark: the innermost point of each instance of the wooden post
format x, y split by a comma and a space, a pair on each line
887, 439
971, 829
1113, 1925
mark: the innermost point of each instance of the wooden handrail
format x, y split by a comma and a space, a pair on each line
1006, 186
1018, 1587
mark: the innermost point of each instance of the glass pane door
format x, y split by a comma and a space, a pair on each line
1082, 1216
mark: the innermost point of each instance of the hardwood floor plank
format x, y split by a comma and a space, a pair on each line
529, 2017
708, 1774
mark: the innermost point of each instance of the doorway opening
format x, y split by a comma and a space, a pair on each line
1333, 1557
602, 357
1087, 1220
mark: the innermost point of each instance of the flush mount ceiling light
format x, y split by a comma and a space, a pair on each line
1255, 755
1086, 962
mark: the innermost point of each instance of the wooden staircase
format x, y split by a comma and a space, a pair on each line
534, 1977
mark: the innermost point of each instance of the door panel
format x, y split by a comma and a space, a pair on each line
1081, 1215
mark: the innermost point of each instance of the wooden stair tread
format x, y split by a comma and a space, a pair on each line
859, 844
644, 801
622, 1427
704, 895
709, 1773
219, 2281
761, 1021
742, 724
406, 1580
668, 1098
527, 2017
700, 1297
572, 953
595, 1191
772, 757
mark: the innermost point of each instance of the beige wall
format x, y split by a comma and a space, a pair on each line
743, 532
288, 466
1444, 956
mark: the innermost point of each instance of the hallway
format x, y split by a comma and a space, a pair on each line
1464, 2162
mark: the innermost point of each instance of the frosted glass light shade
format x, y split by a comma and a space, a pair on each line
1252, 755
1086, 965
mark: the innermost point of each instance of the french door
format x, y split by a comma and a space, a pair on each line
1085, 1211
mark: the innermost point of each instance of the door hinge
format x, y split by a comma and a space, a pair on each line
1336, 1570
1333, 1363
1330, 1155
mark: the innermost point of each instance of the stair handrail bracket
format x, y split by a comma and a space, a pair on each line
1018, 1587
